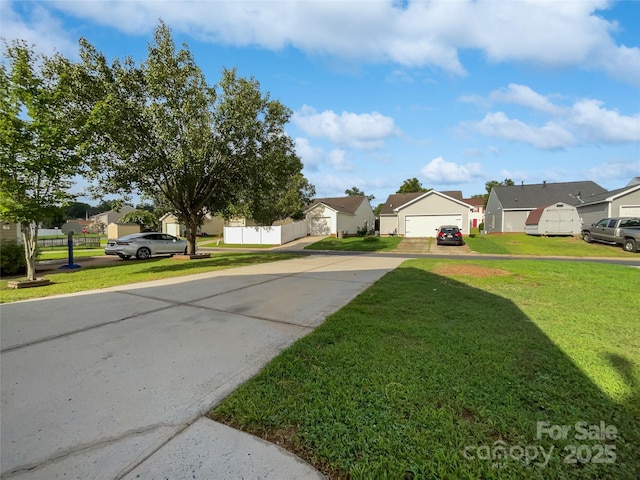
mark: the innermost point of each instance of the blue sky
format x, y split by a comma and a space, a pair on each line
455, 93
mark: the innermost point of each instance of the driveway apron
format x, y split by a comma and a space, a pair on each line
99, 385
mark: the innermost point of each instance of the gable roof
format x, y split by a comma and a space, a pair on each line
476, 202
634, 181
396, 200
349, 204
123, 209
536, 195
457, 194
535, 216
611, 195
400, 200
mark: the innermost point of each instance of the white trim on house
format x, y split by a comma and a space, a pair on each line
426, 194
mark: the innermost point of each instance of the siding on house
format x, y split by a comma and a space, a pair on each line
210, 226
111, 216
508, 207
609, 204
434, 203
10, 232
346, 214
423, 208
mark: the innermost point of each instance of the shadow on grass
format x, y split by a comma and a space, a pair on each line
356, 244
217, 261
422, 376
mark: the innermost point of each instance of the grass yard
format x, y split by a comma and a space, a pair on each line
357, 244
64, 253
241, 245
522, 244
122, 273
442, 369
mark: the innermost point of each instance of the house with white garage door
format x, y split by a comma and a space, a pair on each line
509, 207
622, 202
328, 216
419, 214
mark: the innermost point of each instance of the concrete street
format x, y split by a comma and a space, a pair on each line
114, 383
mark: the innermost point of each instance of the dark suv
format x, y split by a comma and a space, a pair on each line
449, 235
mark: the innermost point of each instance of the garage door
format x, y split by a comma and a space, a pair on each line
319, 225
426, 225
630, 211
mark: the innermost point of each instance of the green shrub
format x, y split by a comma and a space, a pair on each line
12, 260
481, 226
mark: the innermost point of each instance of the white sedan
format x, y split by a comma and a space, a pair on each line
143, 245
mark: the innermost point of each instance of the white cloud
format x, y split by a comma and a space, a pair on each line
525, 96
615, 169
549, 137
516, 176
365, 131
597, 124
311, 156
338, 161
418, 34
476, 100
440, 172
37, 26
584, 122
334, 185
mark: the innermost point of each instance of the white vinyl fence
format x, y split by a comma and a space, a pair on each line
275, 235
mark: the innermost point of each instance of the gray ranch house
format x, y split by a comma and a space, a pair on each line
416, 215
328, 216
508, 208
622, 202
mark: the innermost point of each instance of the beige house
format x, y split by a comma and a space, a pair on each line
328, 216
212, 225
112, 216
10, 232
117, 230
419, 214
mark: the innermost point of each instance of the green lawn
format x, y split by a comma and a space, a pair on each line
58, 254
354, 244
522, 244
442, 361
125, 272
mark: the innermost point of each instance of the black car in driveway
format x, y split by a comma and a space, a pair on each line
449, 235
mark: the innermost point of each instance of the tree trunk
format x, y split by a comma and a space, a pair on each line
30, 242
192, 230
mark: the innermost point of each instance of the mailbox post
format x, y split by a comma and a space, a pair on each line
70, 228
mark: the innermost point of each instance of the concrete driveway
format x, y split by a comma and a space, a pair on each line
113, 383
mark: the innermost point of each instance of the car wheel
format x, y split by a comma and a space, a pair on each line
586, 236
185, 250
143, 253
629, 245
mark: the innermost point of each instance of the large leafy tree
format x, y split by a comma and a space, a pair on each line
148, 221
38, 141
162, 130
507, 182
356, 192
411, 185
